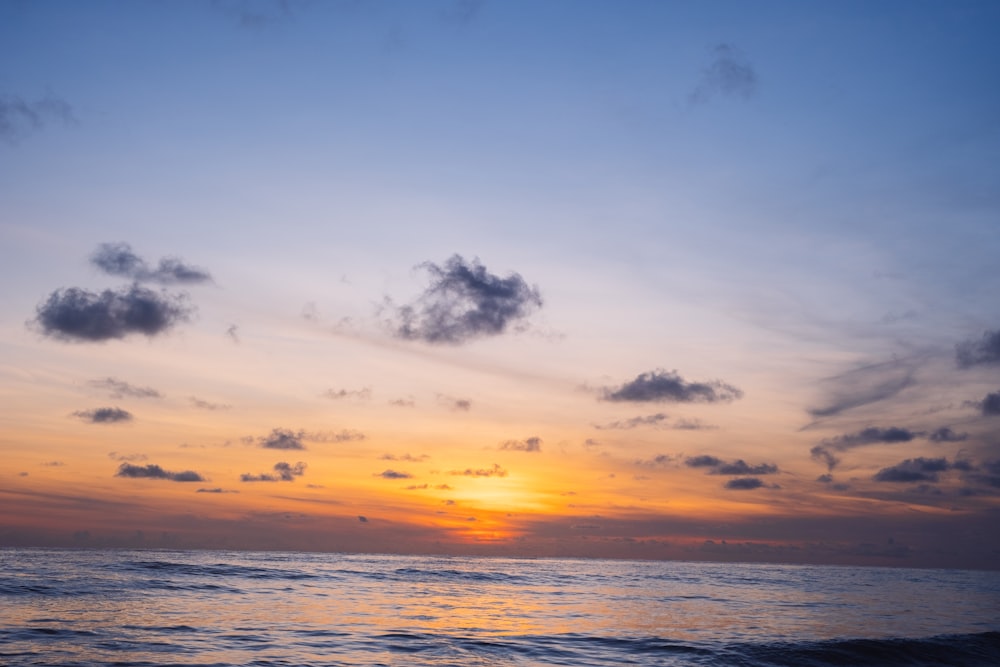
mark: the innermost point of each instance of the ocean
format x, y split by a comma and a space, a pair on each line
130, 608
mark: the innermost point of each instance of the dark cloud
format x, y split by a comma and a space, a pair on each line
532, 444
362, 519
986, 350
495, 471
990, 405
945, 434
728, 74
104, 415
394, 474
738, 467
117, 259
864, 386
282, 438
661, 385
824, 452
913, 470
77, 314
207, 405
464, 302
19, 117
704, 461
337, 394
741, 467
216, 490
626, 424
153, 471
120, 389
283, 472
744, 483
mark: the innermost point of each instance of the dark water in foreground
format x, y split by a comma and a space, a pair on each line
227, 608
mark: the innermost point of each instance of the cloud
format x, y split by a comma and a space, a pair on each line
403, 402
728, 74
913, 470
19, 117
626, 424
409, 458
207, 405
337, 394
216, 490
282, 438
945, 434
131, 458
343, 435
864, 386
744, 484
986, 350
692, 425
456, 404
153, 471
394, 474
283, 472
661, 385
362, 519
117, 259
532, 444
990, 405
120, 389
704, 461
104, 415
464, 302
77, 314
495, 471
657, 461
737, 467
824, 452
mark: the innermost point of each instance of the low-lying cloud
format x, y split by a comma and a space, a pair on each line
74, 314
464, 302
717, 466
667, 386
495, 471
283, 472
532, 444
104, 415
120, 389
153, 471
118, 259
985, 350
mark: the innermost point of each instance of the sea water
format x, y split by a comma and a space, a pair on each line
80, 607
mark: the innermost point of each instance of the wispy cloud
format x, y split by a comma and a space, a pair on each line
19, 117
532, 444
153, 471
217, 490
202, 404
627, 424
255, 14
494, 471
118, 259
74, 314
463, 302
667, 386
985, 350
104, 415
863, 386
120, 389
826, 451
283, 472
729, 74
717, 466
409, 458
338, 394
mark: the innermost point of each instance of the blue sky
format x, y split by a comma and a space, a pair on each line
794, 199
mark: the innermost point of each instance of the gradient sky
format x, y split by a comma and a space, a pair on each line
700, 280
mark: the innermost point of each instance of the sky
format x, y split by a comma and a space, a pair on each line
680, 280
